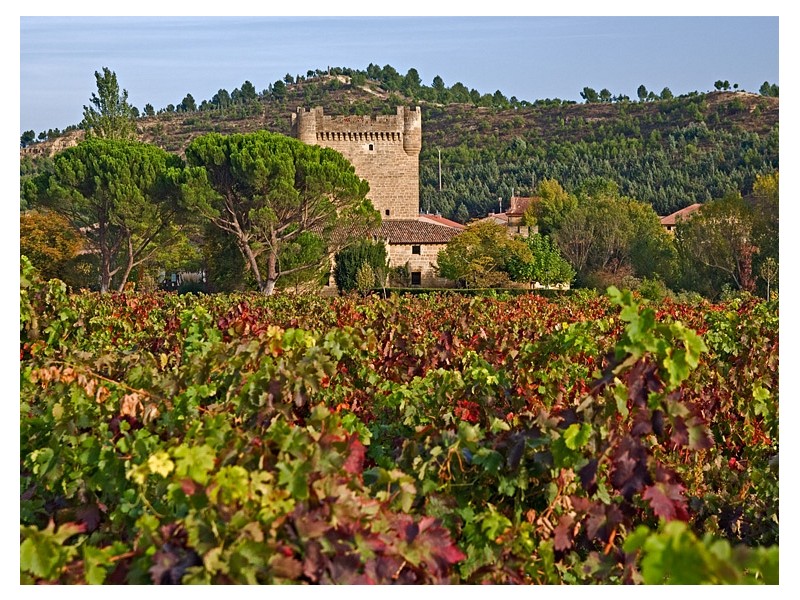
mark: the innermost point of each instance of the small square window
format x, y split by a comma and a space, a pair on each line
387, 212
416, 250
416, 278
371, 147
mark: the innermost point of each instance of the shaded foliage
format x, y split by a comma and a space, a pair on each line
717, 246
123, 196
350, 261
547, 267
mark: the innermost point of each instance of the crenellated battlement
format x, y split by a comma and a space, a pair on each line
384, 150
359, 136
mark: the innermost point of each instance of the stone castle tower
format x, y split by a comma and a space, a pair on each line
383, 149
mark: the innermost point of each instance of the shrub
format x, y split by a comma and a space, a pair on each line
349, 261
653, 289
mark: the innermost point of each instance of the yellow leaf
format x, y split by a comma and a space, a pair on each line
160, 463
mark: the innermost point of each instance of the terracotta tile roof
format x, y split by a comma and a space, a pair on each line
519, 204
416, 231
501, 218
400, 231
680, 214
346, 233
438, 219
517, 208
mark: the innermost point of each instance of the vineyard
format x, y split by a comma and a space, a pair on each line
248, 439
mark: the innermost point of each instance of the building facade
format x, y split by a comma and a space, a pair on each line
384, 150
414, 245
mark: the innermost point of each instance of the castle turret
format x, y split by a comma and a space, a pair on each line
304, 124
412, 129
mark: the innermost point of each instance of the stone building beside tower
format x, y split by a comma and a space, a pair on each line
384, 150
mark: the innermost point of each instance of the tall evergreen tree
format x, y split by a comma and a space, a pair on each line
109, 116
188, 104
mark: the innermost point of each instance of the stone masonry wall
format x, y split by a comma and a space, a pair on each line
425, 262
384, 150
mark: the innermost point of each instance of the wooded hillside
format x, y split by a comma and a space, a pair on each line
670, 153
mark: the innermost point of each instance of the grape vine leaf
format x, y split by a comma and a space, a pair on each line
629, 473
667, 501
354, 464
588, 475
563, 533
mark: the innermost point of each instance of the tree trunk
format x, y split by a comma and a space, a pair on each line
272, 268
128, 266
247, 252
105, 278
105, 260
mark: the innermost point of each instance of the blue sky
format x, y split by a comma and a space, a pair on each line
161, 59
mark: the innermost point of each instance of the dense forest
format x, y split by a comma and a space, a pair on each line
664, 150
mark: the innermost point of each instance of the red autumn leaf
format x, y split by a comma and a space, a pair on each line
89, 515
580, 504
596, 519
629, 472
667, 501
450, 554
699, 436
188, 486
680, 433
563, 533
355, 460
286, 566
642, 422
437, 539
642, 378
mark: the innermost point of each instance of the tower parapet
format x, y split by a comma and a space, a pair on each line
384, 150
